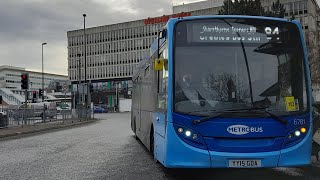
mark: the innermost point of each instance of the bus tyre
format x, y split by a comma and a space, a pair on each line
152, 145
151, 141
135, 129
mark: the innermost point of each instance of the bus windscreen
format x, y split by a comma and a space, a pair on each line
222, 64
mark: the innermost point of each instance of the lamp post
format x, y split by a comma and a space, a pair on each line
42, 72
86, 98
79, 80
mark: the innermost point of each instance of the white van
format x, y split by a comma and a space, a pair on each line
42, 109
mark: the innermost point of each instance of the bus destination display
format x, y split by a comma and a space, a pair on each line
231, 33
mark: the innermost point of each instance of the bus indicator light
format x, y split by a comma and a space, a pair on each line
180, 130
303, 130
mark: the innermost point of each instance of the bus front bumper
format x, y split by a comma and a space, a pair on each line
181, 155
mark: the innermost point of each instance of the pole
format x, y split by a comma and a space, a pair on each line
116, 97
78, 83
85, 63
44, 109
25, 106
79, 74
65, 103
229, 7
42, 72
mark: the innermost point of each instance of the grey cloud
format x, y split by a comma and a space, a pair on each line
26, 24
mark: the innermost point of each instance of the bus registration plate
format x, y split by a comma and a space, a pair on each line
245, 163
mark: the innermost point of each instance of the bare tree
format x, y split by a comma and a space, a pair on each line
313, 55
227, 87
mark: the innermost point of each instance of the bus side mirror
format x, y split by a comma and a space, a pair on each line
163, 34
160, 64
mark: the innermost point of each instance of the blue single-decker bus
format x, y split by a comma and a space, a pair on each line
225, 91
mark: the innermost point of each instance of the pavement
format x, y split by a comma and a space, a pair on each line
23, 130
107, 149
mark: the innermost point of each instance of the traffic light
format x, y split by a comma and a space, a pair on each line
34, 93
0, 99
40, 92
24, 81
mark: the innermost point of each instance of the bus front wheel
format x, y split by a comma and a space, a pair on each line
152, 144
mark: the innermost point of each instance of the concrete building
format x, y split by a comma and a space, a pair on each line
10, 82
306, 11
10, 78
196, 6
113, 51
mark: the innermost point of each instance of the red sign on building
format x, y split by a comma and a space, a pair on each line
164, 19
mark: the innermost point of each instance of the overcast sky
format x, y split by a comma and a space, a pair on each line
25, 24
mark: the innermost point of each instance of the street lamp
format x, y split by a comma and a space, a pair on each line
85, 63
42, 72
79, 79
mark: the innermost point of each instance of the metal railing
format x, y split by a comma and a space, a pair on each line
13, 116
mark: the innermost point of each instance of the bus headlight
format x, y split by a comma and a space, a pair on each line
294, 137
188, 133
190, 136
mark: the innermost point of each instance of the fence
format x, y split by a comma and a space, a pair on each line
13, 116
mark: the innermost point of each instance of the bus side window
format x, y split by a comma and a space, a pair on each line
163, 84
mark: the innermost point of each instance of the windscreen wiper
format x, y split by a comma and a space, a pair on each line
254, 109
198, 121
279, 118
207, 118
264, 109
227, 111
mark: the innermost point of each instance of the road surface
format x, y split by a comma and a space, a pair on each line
107, 149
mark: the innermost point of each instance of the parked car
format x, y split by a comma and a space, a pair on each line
62, 107
104, 106
97, 109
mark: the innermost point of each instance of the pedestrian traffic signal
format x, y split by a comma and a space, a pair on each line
24, 81
40, 92
34, 93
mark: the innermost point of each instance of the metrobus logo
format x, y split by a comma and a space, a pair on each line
243, 129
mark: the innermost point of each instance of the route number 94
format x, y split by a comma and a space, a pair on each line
299, 122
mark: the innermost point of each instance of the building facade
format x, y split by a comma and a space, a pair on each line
10, 78
113, 51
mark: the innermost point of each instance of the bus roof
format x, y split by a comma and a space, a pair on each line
230, 17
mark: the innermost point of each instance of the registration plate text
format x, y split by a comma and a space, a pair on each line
245, 163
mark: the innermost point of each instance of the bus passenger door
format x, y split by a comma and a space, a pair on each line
136, 105
160, 115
